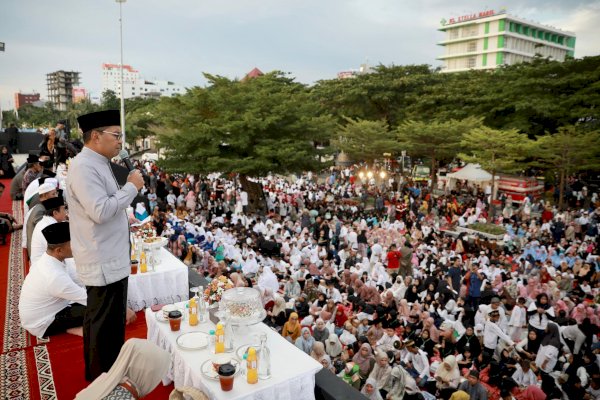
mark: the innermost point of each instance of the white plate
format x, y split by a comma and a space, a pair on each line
192, 341
209, 372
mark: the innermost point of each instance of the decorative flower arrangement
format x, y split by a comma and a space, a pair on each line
216, 288
145, 232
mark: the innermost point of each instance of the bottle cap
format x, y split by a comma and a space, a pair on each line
226, 370
245, 356
251, 351
211, 332
219, 326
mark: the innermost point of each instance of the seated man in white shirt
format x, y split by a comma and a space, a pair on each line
417, 363
51, 302
389, 341
56, 211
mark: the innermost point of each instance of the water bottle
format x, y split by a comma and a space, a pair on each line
264, 358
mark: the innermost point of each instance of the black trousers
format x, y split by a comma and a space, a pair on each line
104, 327
67, 318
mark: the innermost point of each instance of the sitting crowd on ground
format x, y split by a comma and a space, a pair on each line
389, 297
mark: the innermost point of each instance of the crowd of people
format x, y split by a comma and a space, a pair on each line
388, 296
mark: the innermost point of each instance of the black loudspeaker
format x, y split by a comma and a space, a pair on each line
330, 387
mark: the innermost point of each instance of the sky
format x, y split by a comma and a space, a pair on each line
178, 40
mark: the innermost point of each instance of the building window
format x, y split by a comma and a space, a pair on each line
472, 46
471, 61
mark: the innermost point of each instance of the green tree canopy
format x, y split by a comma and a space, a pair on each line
570, 150
435, 140
365, 140
251, 127
495, 150
110, 101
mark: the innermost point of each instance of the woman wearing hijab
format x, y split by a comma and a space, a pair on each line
138, 369
333, 346
447, 377
549, 349
305, 342
381, 372
277, 314
365, 360
291, 329
318, 351
530, 346
340, 318
402, 386
320, 332
471, 340
370, 390
268, 280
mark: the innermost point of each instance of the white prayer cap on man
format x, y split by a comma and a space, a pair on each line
45, 188
52, 181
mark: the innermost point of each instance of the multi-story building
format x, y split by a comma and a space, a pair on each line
134, 84
489, 39
23, 98
60, 86
363, 69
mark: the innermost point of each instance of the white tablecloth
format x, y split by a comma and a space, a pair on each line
293, 371
167, 284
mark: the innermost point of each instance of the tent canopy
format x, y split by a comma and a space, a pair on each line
471, 172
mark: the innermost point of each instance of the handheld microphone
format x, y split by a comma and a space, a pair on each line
124, 156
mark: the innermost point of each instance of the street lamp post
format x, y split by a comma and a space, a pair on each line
122, 82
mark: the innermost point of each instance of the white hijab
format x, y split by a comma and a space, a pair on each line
268, 280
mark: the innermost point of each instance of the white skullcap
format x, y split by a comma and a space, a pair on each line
46, 187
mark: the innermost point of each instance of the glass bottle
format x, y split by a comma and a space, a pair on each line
201, 304
264, 358
228, 332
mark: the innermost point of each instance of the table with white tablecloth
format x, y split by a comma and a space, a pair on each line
293, 371
168, 283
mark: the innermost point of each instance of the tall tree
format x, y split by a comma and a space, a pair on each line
110, 101
364, 140
435, 140
251, 127
570, 150
495, 150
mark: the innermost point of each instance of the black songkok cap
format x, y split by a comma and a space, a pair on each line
99, 119
57, 233
53, 202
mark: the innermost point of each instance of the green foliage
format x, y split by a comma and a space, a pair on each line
140, 118
435, 140
573, 148
488, 228
110, 101
495, 150
365, 140
253, 127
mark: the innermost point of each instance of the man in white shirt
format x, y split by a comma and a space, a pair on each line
51, 302
387, 341
55, 212
491, 333
417, 363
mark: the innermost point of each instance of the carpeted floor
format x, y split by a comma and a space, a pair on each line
40, 369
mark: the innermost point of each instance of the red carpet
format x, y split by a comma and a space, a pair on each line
31, 368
